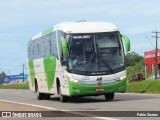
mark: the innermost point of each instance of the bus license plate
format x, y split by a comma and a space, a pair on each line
100, 89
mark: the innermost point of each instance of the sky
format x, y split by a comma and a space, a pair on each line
22, 19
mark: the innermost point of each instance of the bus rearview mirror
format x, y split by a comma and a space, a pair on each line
64, 47
127, 42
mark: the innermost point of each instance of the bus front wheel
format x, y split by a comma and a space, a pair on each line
39, 95
62, 97
109, 96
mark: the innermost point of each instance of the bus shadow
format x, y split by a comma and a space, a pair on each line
118, 98
82, 99
86, 100
55, 98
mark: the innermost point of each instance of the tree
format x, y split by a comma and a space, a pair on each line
2, 74
132, 59
134, 63
138, 67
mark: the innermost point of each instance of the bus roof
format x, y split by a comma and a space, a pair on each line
79, 27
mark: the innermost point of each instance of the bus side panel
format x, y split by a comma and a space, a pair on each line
61, 75
65, 88
31, 75
40, 75
45, 74
50, 69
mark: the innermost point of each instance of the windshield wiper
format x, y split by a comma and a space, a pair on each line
106, 64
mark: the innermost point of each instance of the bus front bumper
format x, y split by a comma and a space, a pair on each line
76, 89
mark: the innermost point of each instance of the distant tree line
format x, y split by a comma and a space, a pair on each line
2, 74
133, 58
134, 63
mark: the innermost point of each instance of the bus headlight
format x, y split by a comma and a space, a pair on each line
73, 80
123, 77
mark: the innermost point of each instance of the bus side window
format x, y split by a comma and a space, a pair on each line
33, 47
36, 51
29, 52
32, 51
38, 55
54, 51
47, 48
41, 48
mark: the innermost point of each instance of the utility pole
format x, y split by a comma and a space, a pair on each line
9, 72
23, 72
156, 36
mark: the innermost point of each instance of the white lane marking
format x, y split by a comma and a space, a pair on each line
105, 118
50, 108
90, 115
38, 106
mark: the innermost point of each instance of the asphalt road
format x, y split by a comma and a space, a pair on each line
121, 102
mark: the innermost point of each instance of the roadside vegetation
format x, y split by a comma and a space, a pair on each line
146, 86
14, 86
134, 64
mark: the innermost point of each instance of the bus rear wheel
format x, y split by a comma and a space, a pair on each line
62, 97
109, 96
39, 95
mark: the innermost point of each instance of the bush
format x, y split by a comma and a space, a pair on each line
14, 86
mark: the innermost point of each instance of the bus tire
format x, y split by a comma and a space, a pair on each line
39, 95
62, 97
109, 96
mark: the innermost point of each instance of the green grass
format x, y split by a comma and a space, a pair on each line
146, 86
14, 86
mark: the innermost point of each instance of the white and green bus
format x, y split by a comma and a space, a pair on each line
78, 59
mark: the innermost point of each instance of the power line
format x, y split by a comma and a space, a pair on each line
150, 41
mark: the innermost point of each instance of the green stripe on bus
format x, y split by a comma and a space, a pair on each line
32, 72
50, 66
49, 30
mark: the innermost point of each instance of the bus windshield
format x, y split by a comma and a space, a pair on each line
95, 53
